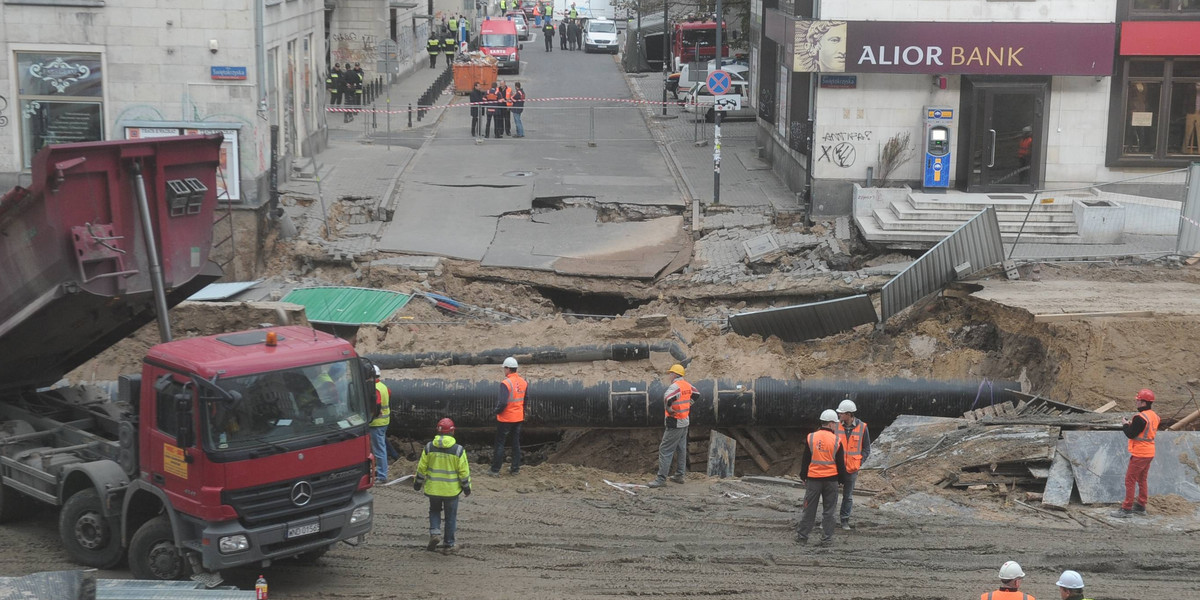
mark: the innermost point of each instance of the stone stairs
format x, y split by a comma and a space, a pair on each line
922, 219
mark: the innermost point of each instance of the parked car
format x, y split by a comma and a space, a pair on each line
518, 18
699, 101
600, 35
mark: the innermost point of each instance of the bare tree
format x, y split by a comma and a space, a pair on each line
896, 151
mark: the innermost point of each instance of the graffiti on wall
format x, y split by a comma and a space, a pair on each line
3, 107
841, 154
847, 136
353, 47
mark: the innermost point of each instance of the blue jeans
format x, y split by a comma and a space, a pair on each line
436, 505
379, 449
537, 20
848, 496
502, 431
520, 125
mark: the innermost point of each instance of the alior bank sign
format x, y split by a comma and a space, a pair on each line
954, 48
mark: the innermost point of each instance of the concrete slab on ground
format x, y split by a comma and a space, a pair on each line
458, 222
1099, 458
573, 242
1070, 296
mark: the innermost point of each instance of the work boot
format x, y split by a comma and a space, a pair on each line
846, 524
434, 540
494, 473
825, 541
657, 483
1139, 509
800, 539
448, 550
515, 471
678, 479
1122, 513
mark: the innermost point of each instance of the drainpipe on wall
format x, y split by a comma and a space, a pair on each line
260, 57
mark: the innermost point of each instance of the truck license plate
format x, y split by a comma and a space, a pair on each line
303, 530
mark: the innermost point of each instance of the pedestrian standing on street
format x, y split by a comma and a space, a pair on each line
537, 14
1070, 586
562, 34
506, 96
359, 78
573, 34
510, 414
333, 85
449, 47
433, 46
548, 35
379, 426
677, 405
350, 92
823, 465
1011, 577
445, 473
490, 101
856, 439
1141, 431
578, 34
476, 108
518, 97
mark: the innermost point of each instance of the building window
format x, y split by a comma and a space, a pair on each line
1161, 109
1163, 5
61, 99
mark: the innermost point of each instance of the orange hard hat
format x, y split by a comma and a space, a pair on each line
445, 426
1146, 395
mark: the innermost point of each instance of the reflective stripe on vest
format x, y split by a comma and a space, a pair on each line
853, 440
1005, 595
824, 445
441, 469
1142, 446
682, 404
448, 42
384, 397
433, 46
514, 411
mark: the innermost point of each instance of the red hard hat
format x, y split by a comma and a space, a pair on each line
1146, 395
445, 426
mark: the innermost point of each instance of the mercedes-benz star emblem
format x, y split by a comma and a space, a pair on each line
301, 493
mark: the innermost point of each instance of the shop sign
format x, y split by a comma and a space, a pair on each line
954, 48
839, 82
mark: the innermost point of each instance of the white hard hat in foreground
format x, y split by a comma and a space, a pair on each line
1070, 580
828, 416
510, 363
847, 406
1011, 570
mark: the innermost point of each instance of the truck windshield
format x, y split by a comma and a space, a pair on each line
498, 40
603, 27
700, 37
285, 405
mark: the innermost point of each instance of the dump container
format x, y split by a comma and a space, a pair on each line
468, 74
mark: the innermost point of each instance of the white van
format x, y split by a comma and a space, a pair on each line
600, 35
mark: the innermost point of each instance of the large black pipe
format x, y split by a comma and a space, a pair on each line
724, 403
530, 355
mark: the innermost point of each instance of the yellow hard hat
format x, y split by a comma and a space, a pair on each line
676, 369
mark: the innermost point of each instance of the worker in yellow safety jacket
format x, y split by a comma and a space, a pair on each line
382, 414
444, 472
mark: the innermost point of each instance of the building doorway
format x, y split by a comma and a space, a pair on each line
1003, 121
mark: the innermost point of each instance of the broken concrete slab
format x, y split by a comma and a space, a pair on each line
1098, 460
1060, 483
458, 222
761, 248
722, 452
412, 263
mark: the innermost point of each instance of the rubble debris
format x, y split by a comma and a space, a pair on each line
722, 452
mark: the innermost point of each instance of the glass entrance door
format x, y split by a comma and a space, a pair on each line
1005, 134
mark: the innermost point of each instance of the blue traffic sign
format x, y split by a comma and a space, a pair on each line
718, 82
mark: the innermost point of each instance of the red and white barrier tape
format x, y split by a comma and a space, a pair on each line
461, 104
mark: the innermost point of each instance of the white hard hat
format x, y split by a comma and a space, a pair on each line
847, 406
828, 416
377, 373
510, 363
1070, 580
1011, 570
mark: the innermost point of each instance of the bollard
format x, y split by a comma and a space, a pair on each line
410, 115
664, 104
592, 127
374, 117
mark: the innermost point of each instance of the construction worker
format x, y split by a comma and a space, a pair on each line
573, 13
510, 411
677, 409
465, 24
856, 439
537, 14
449, 46
453, 22
823, 465
382, 412
1011, 576
1141, 431
433, 46
506, 99
1070, 586
333, 85
445, 473
489, 111
503, 6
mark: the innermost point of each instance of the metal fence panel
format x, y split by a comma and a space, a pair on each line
974, 246
1189, 224
807, 321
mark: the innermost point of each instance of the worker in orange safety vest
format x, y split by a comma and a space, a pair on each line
677, 410
1011, 577
824, 466
856, 439
1141, 431
510, 413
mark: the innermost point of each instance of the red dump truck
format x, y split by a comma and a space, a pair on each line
227, 450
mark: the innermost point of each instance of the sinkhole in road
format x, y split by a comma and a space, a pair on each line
589, 304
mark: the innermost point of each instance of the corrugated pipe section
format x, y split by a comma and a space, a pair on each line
531, 355
419, 403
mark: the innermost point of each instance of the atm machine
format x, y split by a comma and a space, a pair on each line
937, 147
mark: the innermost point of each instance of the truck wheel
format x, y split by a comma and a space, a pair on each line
153, 553
89, 538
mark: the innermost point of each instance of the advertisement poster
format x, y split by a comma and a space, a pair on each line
229, 171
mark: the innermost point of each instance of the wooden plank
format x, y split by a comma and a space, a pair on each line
1185, 422
763, 444
1107, 407
1195, 258
722, 450
970, 416
1059, 317
774, 481
745, 444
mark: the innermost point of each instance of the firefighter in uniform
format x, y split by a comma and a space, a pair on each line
856, 439
510, 413
333, 85
445, 473
677, 405
350, 87
823, 465
1141, 431
449, 47
378, 428
433, 46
